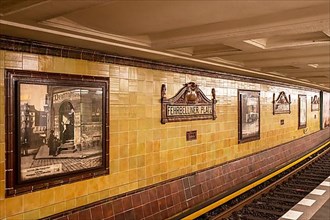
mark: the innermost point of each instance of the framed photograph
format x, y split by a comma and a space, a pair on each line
249, 115
315, 103
302, 111
57, 129
325, 109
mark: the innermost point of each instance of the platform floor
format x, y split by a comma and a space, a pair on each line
315, 206
323, 213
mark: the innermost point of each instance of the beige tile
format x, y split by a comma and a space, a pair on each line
30, 62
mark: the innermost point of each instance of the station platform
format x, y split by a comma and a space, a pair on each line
315, 206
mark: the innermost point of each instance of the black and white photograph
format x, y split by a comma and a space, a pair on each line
302, 113
315, 103
325, 109
249, 115
61, 127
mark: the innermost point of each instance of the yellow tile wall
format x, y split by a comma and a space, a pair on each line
142, 150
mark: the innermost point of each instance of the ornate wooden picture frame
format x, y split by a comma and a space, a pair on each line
281, 105
188, 104
249, 115
315, 103
57, 129
302, 111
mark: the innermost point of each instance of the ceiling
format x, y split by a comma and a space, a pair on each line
283, 40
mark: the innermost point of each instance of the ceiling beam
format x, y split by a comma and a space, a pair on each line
292, 61
289, 22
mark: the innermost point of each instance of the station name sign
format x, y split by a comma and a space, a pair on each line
180, 110
281, 104
188, 104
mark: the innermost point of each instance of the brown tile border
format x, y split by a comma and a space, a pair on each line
166, 199
30, 46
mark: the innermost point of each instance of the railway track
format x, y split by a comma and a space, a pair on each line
274, 197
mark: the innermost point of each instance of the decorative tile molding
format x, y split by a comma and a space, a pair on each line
43, 48
172, 197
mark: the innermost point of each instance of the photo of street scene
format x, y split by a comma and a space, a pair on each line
249, 115
326, 110
60, 129
302, 111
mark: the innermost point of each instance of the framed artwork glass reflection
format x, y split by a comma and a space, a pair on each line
57, 129
302, 111
249, 115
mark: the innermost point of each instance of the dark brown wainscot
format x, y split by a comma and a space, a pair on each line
57, 129
281, 105
315, 103
188, 104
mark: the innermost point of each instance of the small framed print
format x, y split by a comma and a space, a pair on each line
249, 115
325, 109
315, 103
302, 111
56, 129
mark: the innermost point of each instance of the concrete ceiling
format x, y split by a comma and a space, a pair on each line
283, 40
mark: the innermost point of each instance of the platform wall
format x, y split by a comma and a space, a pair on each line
144, 152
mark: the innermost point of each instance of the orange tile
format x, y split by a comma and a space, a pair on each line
47, 197
2, 209
35, 214
59, 194
80, 201
14, 205
80, 189
60, 207
70, 204
31, 201
15, 217
47, 211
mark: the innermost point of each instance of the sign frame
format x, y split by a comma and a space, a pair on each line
315, 103
189, 104
282, 101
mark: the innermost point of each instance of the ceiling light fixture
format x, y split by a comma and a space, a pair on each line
314, 65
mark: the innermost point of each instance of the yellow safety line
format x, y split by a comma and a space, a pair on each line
248, 187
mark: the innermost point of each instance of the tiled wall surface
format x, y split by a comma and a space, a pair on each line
165, 200
142, 150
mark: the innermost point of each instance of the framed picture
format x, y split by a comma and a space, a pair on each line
56, 129
281, 104
325, 109
302, 111
315, 103
249, 115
